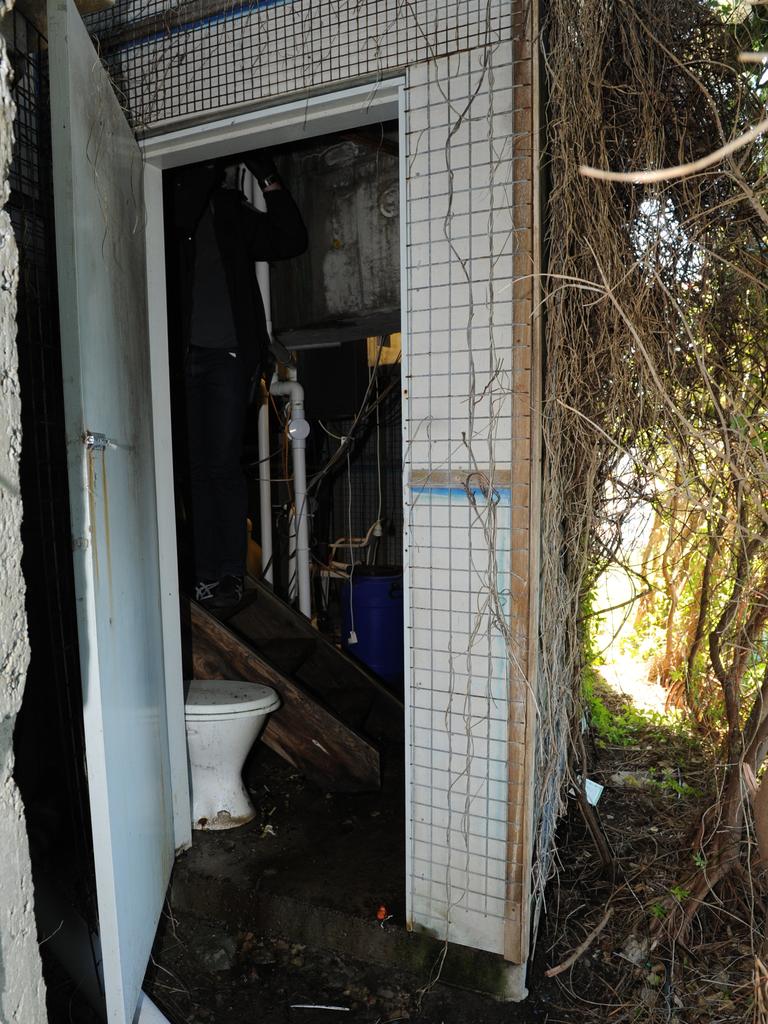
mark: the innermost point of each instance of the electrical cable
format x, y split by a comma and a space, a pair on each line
330, 433
268, 458
344, 446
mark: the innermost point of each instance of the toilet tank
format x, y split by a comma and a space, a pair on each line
347, 285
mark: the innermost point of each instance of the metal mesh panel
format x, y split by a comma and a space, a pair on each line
184, 59
49, 739
353, 493
466, 450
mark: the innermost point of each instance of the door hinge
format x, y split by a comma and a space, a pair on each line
95, 442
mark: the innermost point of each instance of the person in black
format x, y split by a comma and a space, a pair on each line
226, 346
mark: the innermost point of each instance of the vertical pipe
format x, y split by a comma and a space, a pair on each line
298, 431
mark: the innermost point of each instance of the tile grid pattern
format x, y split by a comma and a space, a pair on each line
467, 440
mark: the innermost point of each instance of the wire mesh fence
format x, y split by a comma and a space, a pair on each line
49, 738
173, 60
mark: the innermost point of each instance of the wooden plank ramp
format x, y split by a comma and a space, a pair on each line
290, 643
305, 731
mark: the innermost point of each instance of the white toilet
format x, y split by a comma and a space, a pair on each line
223, 720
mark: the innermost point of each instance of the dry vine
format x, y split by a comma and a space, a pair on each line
656, 383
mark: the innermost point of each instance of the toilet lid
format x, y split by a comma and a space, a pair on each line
228, 697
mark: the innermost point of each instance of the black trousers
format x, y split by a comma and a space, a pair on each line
217, 384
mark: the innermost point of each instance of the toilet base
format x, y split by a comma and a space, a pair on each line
221, 821
213, 809
224, 719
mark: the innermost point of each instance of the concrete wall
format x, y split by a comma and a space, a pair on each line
22, 993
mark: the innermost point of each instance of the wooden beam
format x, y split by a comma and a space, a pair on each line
303, 731
525, 624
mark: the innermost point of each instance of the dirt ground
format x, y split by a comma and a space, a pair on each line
343, 854
657, 785
324, 855
272, 981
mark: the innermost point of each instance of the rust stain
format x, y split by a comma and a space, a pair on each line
92, 513
107, 530
223, 820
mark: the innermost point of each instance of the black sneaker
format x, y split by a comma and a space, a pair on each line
228, 592
205, 591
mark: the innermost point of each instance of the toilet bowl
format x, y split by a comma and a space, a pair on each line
223, 720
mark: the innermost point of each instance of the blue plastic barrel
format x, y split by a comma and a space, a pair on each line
375, 596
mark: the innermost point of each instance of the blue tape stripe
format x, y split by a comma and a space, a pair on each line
234, 13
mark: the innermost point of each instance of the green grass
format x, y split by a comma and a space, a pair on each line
625, 727
612, 728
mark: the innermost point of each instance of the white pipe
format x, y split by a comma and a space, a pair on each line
265, 485
256, 196
298, 431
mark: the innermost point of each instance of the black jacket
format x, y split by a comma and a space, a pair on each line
244, 235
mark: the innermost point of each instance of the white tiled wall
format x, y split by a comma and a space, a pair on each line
462, 368
466, 519
459, 716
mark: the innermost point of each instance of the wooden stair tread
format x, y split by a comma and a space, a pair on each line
304, 731
289, 655
343, 684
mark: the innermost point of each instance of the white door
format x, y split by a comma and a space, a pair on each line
105, 349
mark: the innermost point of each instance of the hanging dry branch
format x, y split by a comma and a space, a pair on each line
656, 348
681, 170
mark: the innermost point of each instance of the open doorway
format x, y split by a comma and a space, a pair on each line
332, 314
327, 839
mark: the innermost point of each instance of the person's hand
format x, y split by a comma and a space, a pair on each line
261, 165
